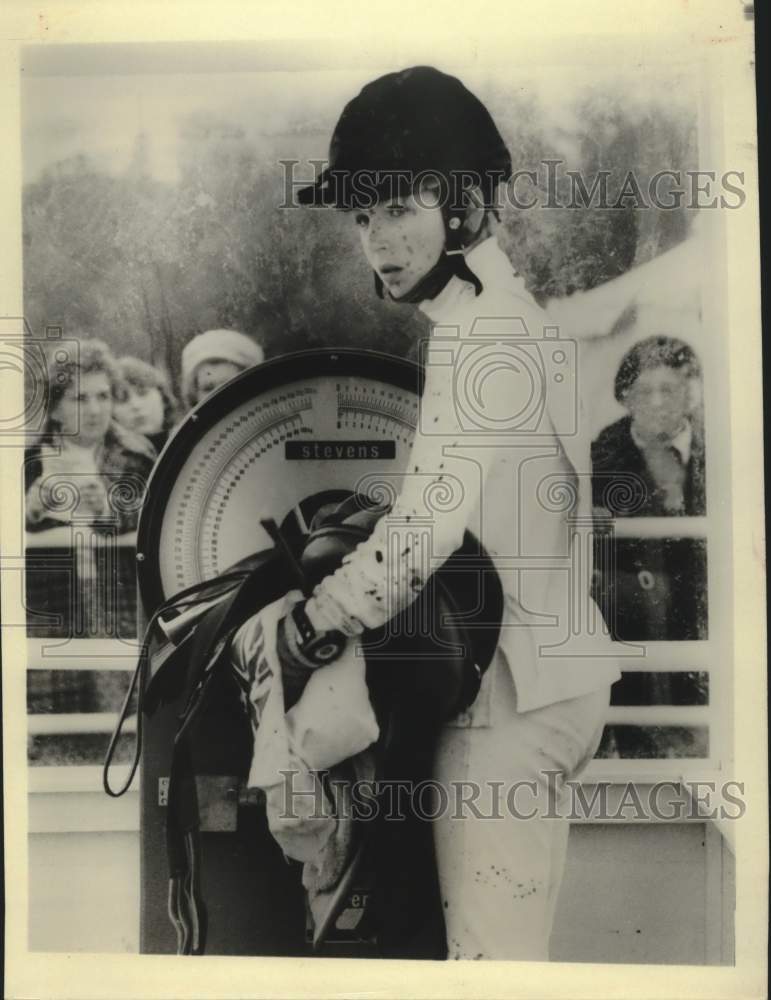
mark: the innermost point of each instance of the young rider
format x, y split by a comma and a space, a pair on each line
418, 162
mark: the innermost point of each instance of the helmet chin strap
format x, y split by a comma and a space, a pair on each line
451, 263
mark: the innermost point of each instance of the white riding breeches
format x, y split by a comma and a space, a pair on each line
501, 841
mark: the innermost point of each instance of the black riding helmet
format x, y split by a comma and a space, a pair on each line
404, 129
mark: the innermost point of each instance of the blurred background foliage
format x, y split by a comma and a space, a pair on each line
146, 263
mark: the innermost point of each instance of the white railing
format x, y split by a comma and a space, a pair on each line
82, 654
80, 723
660, 527
113, 654
65, 535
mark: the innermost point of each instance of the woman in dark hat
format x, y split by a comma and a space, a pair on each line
651, 462
418, 162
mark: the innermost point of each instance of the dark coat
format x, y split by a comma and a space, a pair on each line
622, 482
125, 465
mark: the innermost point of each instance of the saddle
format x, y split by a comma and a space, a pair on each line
422, 669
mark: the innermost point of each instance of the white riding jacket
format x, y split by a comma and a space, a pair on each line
500, 450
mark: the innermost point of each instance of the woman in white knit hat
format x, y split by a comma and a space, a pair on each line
210, 359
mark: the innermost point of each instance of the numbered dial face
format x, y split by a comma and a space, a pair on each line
278, 442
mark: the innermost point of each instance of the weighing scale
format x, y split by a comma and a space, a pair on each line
280, 441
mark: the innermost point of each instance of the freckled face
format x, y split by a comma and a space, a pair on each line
402, 239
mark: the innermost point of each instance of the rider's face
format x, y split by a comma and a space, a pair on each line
402, 239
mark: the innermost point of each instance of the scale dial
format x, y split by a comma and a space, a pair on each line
278, 442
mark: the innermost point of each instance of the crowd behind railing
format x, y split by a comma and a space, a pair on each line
109, 418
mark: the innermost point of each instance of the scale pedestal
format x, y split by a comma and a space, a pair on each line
254, 899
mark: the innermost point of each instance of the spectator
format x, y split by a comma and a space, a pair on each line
651, 462
84, 464
210, 359
146, 403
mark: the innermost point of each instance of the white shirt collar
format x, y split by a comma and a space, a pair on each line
488, 262
681, 442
